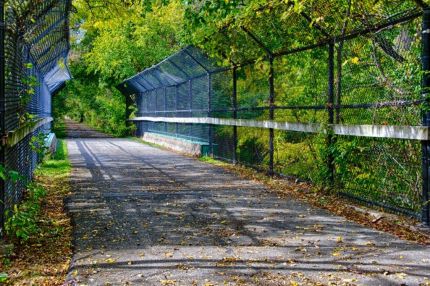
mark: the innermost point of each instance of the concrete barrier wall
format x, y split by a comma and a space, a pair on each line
172, 143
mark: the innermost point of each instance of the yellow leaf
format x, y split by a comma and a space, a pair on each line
168, 282
370, 243
401, 275
110, 260
355, 60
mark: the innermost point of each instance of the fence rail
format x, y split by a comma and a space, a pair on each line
420, 133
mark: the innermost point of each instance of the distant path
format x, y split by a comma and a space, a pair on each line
80, 130
145, 216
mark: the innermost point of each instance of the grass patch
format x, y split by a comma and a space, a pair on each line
44, 259
59, 128
57, 165
213, 161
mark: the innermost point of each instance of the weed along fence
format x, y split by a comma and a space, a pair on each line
33, 51
341, 107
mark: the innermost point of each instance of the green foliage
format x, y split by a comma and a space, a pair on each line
87, 99
37, 144
59, 126
3, 277
57, 165
26, 92
22, 222
112, 46
251, 150
10, 175
120, 48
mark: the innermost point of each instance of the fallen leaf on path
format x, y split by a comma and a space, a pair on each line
110, 260
401, 275
168, 282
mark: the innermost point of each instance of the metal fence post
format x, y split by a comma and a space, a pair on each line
338, 99
176, 109
165, 114
211, 135
330, 109
128, 103
271, 116
2, 68
2, 114
190, 94
271, 56
148, 102
234, 114
425, 59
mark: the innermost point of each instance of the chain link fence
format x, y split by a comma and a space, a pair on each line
344, 111
33, 49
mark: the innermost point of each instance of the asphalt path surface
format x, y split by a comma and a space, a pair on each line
146, 216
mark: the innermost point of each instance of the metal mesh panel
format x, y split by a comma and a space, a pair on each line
221, 95
301, 86
253, 147
200, 97
24, 160
384, 172
379, 80
170, 101
36, 43
223, 143
298, 154
183, 100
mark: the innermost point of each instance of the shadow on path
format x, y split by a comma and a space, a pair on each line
145, 216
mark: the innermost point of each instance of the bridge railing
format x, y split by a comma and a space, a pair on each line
33, 50
342, 111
